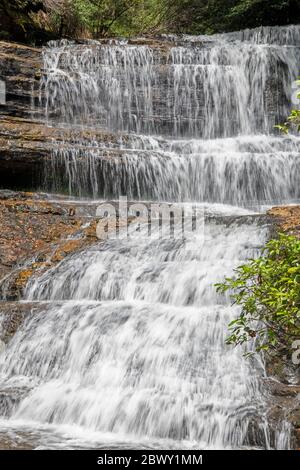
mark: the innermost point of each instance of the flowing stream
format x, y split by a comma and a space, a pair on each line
130, 349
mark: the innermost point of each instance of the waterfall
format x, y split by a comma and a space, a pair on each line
212, 88
129, 351
219, 97
133, 345
240, 170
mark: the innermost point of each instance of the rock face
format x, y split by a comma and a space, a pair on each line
20, 68
286, 219
35, 234
284, 387
22, 153
26, 151
12, 315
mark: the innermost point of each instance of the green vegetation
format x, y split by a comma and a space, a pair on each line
268, 291
293, 120
33, 20
16, 19
214, 16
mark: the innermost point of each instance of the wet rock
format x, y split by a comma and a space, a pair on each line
18, 440
10, 398
284, 406
25, 140
20, 69
13, 314
35, 234
26, 151
282, 390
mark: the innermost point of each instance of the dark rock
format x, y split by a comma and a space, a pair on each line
20, 69
12, 315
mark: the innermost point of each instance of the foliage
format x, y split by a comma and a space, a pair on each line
97, 18
268, 291
89, 18
213, 16
16, 18
293, 121
250, 13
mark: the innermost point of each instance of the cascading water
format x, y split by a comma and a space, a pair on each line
130, 350
210, 88
193, 89
139, 352
242, 170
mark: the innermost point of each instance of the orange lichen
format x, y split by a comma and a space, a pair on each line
287, 219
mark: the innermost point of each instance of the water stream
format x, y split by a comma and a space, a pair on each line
130, 350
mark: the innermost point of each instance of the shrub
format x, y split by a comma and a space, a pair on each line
268, 291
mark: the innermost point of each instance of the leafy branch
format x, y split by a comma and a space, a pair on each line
293, 121
268, 291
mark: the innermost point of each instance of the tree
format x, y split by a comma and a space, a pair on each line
16, 18
100, 16
24, 19
252, 13
216, 16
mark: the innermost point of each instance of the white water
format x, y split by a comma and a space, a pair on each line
243, 170
219, 97
130, 349
215, 87
139, 351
